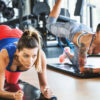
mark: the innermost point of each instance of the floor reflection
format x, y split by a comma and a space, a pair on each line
30, 92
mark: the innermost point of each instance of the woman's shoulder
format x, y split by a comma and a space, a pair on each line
8, 51
11, 48
4, 59
4, 55
42, 53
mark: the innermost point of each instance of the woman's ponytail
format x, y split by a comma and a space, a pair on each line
31, 39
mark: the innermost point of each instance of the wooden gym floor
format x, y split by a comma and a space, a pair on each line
67, 87
64, 86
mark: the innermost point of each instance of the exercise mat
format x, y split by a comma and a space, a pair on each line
70, 69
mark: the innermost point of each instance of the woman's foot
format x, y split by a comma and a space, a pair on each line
64, 56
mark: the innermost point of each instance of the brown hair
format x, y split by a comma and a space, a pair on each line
98, 28
31, 39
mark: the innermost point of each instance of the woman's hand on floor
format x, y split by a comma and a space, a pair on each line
47, 92
19, 95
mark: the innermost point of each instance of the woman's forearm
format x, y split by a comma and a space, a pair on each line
43, 75
96, 70
42, 79
6, 94
82, 57
90, 70
56, 9
83, 60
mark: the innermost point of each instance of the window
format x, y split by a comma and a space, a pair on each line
96, 13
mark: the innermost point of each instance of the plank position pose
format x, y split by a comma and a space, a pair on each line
85, 42
21, 56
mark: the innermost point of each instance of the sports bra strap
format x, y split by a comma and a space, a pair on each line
80, 36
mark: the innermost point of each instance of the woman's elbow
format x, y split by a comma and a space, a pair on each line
43, 59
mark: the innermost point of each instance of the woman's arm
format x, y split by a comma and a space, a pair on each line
82, 57
46, 91
96, 50
42, 75
3, 63
83, 60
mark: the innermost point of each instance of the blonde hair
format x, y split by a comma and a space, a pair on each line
38, 60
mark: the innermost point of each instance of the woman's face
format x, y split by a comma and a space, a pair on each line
27, 57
